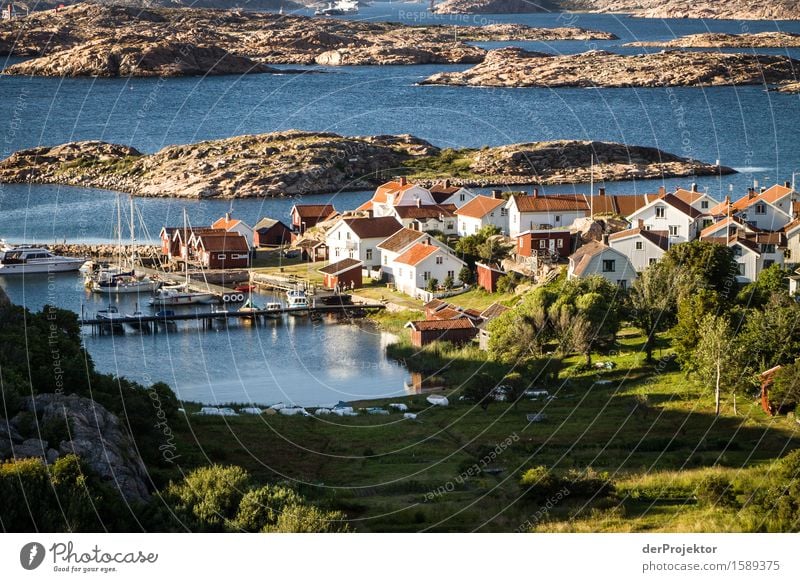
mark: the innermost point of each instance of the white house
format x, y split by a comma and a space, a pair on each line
422, 262
358, 238
229, 224
595, 258
482, 211
770, 209
669, 213
400, 242
426, 217
729, 226
700, 201
444, 193
398, 192
642, 247
792, 233
538, 211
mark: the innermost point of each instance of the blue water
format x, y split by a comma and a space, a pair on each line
747, 128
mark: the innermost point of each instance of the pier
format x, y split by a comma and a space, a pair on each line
149, 323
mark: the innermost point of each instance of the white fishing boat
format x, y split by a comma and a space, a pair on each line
122, 279
28, 259
111, 318
338, 8
297, 300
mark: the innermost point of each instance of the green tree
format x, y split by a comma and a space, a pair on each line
467, 246
433, 284
479, 389
466, 275
771, 336
654, 301
710, 264
494, 249
308, 519
692, 308
717, 360
210, 496
448, 282
785, 392
771, 281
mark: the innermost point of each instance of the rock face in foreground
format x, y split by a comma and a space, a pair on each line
94, 434
722, 40
512, 67
789, 87
138, 57
723, 9
296, 163
91, 39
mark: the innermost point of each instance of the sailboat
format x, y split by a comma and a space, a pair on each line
181, 294
121, 279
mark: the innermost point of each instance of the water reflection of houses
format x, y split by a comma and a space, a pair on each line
419, 383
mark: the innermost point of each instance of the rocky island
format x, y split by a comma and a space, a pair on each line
513, 67
723, 40
297, 162
100, 40
738, 10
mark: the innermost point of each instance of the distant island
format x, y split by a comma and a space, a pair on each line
723, 40
513, 67
112, 41
299, 162
739, 10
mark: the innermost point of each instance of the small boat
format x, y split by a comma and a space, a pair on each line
111, 318
273, 310
248, 288
437, 400
220, 313
141, 326
181, 295
249, 307
123, 283
298, 301
26, 260
338, 8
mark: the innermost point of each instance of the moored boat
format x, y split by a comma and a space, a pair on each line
29, 259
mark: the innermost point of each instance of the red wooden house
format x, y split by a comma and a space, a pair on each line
228, 250
269, 232
488, 276
305, 216
544, 242
344, 274
457, 331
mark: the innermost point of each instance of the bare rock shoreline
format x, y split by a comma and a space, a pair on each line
295, 163
102, 40
513, 67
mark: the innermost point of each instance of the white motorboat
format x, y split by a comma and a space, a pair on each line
111, 318
29, 259
338, 8
297, 300
181, 295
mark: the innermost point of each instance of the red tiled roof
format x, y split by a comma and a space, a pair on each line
225, 243
441, 325
416, 254
447, 313
225, 223
480, 206
540, 203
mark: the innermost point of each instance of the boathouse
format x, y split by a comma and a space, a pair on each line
305, 216
457, 331
488, 276
229, 250
269, 232
344, 274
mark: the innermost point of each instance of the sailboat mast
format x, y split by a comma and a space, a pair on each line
186, 246
133, 237
119, 232
591, 188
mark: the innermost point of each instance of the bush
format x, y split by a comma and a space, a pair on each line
542, 484
715, 491
785, 392
466, 275
433, 284
448, 282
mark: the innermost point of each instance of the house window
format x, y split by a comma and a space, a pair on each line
222, 257
558, 218
673, 230
560, 243
400, 272
503, 212
369, 254
339, 235
491, 214
704, 204
740, 268
450, 225
385, 260
661, 212
451, 274
542, 244
652, 261
439, 259
761, 208
426, 275
608, 265
336, 252
462, 197
348, 236
639, 245
768, 263
768, 248
475, 229
737, 251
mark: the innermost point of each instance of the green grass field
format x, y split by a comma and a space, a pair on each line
649, 428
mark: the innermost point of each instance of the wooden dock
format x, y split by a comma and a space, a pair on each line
207, 318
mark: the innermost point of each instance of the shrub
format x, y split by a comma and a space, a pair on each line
466, 275
433, 284
715, 491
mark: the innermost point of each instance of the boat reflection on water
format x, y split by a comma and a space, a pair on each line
420, 383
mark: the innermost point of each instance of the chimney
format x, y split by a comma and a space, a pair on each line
640, 224
536, 192
427, 241
601, 192
787, 184
694, 186
662, 191
447, 183
605, 238
403, 181
750, 193
763, 189
228, 216
727, 200
419, 202
497, 194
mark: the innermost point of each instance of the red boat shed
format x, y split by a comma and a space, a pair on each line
344, 274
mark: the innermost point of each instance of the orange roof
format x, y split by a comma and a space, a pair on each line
226, 223
480, 206
688, 196
392, 187
774, 193
770, 195
416, 254
366, 206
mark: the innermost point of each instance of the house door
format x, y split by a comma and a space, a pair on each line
552, 246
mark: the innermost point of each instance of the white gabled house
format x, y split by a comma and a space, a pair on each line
700, 201
399, 192
445, 193
400, 242
669, 213
427, 217
792, 233
482, 211
229, 224
358, 238
420, 263
770, 209
595, 258
539, 211
642, 247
